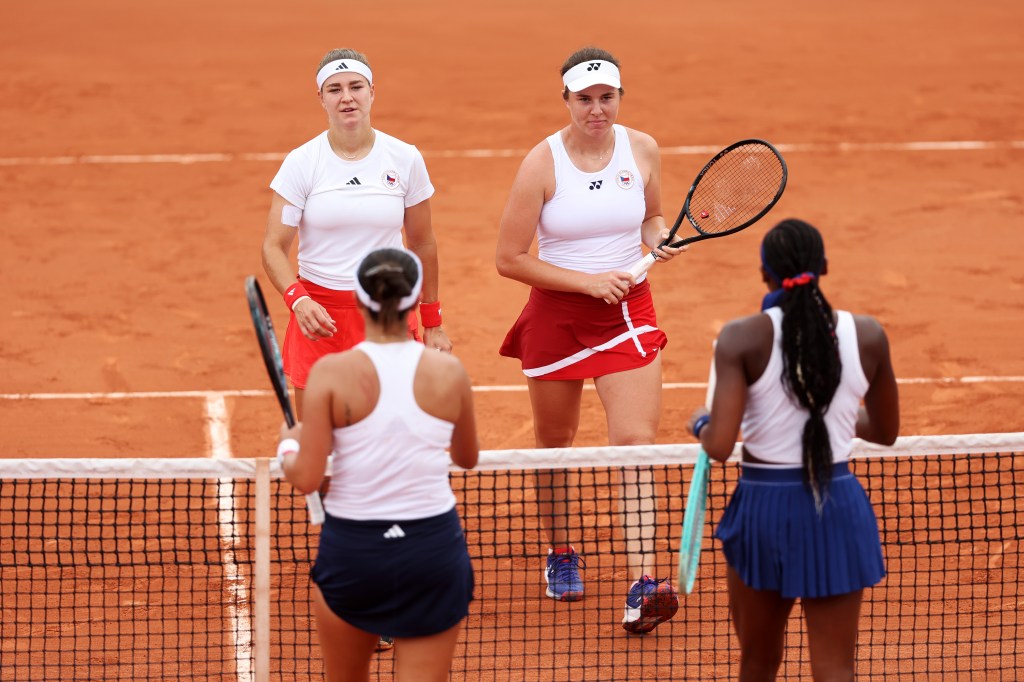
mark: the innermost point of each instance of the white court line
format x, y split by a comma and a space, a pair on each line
686, 150
514, 388
240, 633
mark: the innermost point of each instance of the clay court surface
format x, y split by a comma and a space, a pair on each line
139, 140
123, 267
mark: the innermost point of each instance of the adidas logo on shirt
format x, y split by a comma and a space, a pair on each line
353, 181
394, 532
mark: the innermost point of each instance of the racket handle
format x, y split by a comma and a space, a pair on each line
315, 507
643, 265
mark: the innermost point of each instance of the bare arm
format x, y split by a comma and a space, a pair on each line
534, 185
419, 238
879, 419
465, 448
306, 469
730, 396
277, 243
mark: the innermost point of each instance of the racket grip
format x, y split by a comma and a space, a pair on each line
643, 265
315, 507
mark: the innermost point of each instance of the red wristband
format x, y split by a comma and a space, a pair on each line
293, 293
430, 314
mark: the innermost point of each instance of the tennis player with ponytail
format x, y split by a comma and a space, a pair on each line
392, 554
348, 190
802, 381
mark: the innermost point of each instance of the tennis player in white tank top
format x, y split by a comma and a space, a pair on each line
388, 409
799, 524
591, 194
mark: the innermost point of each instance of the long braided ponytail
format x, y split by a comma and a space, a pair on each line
794, 255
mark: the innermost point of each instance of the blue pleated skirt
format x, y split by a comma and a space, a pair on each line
397, 578
775, 539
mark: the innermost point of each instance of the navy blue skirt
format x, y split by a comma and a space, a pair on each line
775, 539
397, 578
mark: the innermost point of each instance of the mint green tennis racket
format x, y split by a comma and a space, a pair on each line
696, 504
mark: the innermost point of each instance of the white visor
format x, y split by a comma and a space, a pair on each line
343, 66
407, 302
600, 72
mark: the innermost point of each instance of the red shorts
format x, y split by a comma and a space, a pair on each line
562, 335
299, 353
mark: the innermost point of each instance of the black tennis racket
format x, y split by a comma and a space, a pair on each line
275, 368
733, 191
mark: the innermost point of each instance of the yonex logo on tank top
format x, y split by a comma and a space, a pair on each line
596, 184
353, 181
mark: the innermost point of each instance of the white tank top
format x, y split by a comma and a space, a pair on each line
392, 465
592, 222
773, 423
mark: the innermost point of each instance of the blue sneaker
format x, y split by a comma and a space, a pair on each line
649, 604
563, 577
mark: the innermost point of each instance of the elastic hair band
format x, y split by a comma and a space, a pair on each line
407, 302
353, 65
798, 281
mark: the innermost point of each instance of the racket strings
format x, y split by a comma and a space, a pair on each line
736, 189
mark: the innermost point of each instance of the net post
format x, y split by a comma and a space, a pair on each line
261, 572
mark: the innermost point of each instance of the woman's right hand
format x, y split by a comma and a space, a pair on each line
314, 322
611, 287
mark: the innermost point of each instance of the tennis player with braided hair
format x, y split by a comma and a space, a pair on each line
801, 380
591, 195
393, 555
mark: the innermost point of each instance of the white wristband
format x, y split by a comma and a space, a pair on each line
296, 302
286, 446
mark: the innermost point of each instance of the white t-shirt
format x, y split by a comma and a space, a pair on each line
592, 222
773, 422
392, 465
350, 208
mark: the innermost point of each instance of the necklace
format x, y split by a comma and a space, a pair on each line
359, 150
601, 156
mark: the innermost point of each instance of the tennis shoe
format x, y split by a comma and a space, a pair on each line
649, 603
385, 643
562, 575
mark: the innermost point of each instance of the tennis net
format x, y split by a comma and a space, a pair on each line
198, 569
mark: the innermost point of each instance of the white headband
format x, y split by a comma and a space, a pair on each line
353, 65
407, 301
585, 74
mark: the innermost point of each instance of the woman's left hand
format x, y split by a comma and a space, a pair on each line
434, 337
667, 253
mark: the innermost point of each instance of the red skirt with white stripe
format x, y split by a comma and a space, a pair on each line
562, 335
